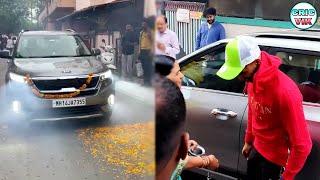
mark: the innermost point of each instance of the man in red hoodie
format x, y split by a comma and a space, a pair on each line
277, 136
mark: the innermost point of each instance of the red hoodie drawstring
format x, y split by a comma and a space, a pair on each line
245, 90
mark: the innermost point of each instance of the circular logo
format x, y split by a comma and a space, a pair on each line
303, 15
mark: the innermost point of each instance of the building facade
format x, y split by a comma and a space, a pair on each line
237, 16
53, 10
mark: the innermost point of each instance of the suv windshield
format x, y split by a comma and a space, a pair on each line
42, 46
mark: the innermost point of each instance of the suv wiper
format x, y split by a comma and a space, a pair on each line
65, 56
19, 56
84, 55
50, 56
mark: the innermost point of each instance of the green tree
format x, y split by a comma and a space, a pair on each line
34, 9
16, 15
12, 15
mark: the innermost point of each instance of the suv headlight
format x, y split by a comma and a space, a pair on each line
106, 75
17, 77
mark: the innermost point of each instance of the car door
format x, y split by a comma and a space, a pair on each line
215, 106
304, 68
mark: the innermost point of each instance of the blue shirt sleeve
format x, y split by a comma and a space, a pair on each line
198, 40
222, 32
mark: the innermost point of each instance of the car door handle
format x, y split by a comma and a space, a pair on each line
223, 112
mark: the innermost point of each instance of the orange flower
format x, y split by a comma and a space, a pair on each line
36, 92
89, 80
134, 156
84, 86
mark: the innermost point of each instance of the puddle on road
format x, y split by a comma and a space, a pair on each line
128, 148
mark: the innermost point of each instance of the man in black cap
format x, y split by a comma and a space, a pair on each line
210, 31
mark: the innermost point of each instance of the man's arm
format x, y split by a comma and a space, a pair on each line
294, 122
174, 47
198, 40
199, 162
249, 138
140, 38
152, 40
222, 33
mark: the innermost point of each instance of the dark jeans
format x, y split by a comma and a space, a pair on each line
147, 65
260, 168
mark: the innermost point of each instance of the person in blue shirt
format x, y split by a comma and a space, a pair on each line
210, 31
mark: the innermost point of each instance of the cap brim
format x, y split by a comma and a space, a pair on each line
228, 73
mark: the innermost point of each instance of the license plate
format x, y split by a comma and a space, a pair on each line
59, 103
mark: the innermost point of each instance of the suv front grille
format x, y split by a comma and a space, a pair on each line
82, 93
58, 84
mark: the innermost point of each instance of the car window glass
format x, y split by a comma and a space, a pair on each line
51, 46
305, 71
201, 72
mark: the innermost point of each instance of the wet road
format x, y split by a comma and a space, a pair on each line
121, 148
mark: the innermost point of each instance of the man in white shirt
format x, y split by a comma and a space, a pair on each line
167, 42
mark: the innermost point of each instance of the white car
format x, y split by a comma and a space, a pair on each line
222, 132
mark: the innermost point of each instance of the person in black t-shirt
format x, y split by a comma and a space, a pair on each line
128, 42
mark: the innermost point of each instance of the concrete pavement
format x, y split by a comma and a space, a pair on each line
66, 150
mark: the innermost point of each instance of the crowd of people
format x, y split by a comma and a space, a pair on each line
7, 42
136, 49
166, 43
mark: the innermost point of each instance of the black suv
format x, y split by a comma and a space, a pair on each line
52, 75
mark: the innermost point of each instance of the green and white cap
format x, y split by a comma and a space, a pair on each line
239, 52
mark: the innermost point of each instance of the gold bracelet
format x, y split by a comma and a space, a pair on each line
203, 162
208, 161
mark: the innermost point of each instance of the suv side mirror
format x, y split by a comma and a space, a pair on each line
96, 51
188, 82
5, 54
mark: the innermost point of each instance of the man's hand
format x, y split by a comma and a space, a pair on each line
213, 162
192, 144
161, 47
246, 150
